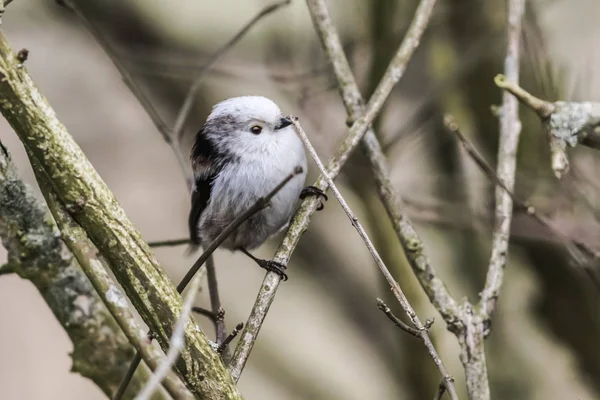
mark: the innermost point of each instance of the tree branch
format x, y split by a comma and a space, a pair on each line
395, 287
112, 296
566, 123
510, 129
37, 253
91, 204
398, 322
410, 240
261, 203
300, 221
176, 343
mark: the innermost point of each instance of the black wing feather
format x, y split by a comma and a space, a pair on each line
206, 164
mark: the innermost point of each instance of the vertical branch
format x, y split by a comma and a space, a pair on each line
510, 128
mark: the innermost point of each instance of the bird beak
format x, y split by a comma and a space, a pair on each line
283, 122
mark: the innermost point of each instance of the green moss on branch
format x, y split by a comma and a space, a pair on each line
36, 253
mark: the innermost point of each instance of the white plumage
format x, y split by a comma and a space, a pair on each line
236, 166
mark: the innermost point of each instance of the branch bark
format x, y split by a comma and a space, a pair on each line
36, 253
91, 204
566, 123
112, 296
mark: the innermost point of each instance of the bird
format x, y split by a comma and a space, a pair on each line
244, 150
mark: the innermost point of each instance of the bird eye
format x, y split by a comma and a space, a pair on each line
256, 129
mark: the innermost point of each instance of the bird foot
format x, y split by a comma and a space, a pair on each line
273, 266
314, 191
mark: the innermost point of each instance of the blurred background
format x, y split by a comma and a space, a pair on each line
324, 337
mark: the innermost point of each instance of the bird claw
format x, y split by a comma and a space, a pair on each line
314, 191
273, 266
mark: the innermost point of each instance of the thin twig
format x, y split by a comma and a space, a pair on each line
176, 342
440, 391
256, 207
398, 322
185, 109
510, 129
395, 287
301, 220
233, 225
215, 301
170, 243
134, 87
541, 107
411, 242
207, 313
230, 337
573, 246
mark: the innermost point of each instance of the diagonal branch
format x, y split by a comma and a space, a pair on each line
301, 220
260, 204
395, 287
91, 204
37, 253
410, 240
176, 343
112, 296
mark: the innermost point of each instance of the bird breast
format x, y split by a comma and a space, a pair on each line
242, 182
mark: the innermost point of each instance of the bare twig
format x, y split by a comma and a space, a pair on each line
300, 222
135, 88
169, 243
410, 240
215, 301
573, 246
230, 337
176, 343
398, 322
395, 287
207, 313
184, 112
566, 123
510, 129
440, 391
233, 225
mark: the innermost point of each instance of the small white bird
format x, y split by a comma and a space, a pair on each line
244, 150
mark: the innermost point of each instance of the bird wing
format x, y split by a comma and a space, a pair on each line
206, 168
